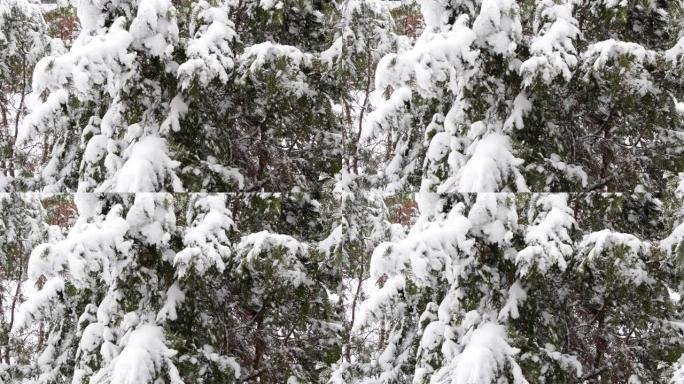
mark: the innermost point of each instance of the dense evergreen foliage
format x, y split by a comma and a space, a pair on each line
348, 191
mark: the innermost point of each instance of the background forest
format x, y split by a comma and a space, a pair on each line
347, 191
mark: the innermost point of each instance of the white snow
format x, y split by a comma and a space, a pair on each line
143, 357
521, 106
553, 52
209, 53
262, 55
498, 27
91, 337
516, 295
491, 165
548, 237
147, 168
486, 354
600, 53
287, 265
174, 298
177, 109
154, 27
39, 303
206, 240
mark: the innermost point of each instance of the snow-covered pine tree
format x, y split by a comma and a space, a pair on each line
258, 289
266, 121
103, 101
23, 41
630, 301
23, 224
364, 32
539, 95
286, 282
606, 310
361, 219
515, 96
150, 287
162, 96
98, 291
529, 288
442, 288
674, 243
495, 96
673, 246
